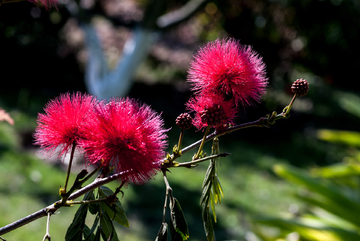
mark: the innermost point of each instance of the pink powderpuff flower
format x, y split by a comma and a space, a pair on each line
212, 110
230, 69
64, 123
47, 4
129, 136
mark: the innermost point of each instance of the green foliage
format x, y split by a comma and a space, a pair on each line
115, 211
332, 195
334, 207
75, 230
178, 223
350, 138
211, 194
105, 215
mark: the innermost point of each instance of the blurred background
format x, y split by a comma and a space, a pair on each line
142, 49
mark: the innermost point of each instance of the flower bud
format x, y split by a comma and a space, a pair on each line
300, 87
213, 116
184, 121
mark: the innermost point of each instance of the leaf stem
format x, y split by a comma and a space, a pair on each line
202, 143
180, 139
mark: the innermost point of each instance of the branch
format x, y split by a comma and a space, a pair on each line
262, 122
195, 162
175, 17
52, 209
257, 123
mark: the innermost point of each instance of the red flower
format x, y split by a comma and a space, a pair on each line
47, 4
64, 123
230, 69
211, 110
129, 136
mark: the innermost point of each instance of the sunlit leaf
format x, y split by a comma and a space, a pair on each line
332, 199
212, 200
337, 170
314, 233
350, 138
219, 187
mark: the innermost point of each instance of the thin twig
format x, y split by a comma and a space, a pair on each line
194, 162
168, 193
47, 234
86, 201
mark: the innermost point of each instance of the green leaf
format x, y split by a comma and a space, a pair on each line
178, 220
107, 228
208, 175
175, 236
331, 196
107, 191
311, 232
205, 193
213, 205
93, 207
90, 233
338, 170
116, 215
217, 189
208, 226
97, 235
163, 233
350, 138
116, 211
74, 231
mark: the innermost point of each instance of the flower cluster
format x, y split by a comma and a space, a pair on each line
120, 133
224, 74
